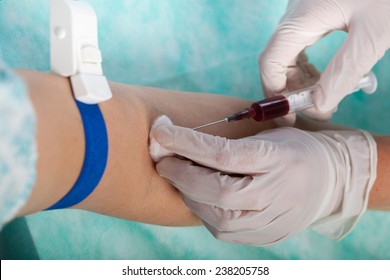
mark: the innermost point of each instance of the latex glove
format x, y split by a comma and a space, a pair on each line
304, 23
262, 189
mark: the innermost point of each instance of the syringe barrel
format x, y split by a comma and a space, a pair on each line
302, 99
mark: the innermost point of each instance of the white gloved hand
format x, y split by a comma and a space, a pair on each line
262, 189
305, 22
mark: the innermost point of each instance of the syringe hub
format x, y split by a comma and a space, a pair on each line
244, 114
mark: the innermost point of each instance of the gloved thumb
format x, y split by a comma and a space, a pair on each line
346, 69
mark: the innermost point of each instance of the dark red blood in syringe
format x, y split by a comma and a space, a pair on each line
270, 108
264, 110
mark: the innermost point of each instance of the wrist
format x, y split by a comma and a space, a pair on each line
360, 152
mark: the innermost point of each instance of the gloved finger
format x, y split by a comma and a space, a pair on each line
355, 59
274, 63
317, 115
244, 156
313, 113
302, 75
219, 220
292, 36
274, 232
209, 186
244, 227
306, 76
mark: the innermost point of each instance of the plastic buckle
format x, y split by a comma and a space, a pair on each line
74, 50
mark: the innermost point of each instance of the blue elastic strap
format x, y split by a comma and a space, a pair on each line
95, 160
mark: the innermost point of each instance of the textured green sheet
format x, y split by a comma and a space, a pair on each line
191, 45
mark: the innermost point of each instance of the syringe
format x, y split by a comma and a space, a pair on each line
281, 105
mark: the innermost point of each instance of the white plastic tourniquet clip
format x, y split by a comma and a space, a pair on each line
74, 50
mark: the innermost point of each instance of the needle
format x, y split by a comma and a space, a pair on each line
209, 124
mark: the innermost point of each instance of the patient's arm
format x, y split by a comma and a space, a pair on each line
130, 188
